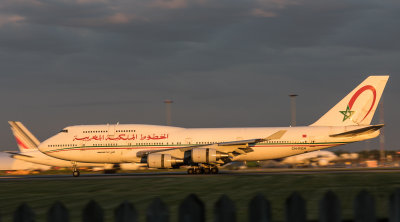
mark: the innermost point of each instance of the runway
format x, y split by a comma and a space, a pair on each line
224, 173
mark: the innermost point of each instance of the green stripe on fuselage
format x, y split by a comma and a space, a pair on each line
183, 145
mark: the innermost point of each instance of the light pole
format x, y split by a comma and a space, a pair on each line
168, 114
382, 136
293, 108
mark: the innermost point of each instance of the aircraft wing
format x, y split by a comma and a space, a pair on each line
358, 132
232, 148
274, 136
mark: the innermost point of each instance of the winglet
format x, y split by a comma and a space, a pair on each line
276, 135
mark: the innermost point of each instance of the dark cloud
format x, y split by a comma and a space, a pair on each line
225, 63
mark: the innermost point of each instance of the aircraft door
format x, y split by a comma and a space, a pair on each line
188, 141
111, 130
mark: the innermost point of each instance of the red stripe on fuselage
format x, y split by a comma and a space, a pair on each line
109, 148
157, 147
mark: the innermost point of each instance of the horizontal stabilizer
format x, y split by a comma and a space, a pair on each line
358, 132
17, 154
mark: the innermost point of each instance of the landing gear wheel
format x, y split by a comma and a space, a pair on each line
110, 171
207, 170
190, 171
76, 173
214, 170
197, 171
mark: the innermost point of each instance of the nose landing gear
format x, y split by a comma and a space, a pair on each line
75, 171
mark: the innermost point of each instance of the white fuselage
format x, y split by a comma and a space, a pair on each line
9, 163
123, 143
307, 158
35, 156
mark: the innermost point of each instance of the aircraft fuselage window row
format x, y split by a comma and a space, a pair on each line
106, 131
177, 143
109, 144
304, 141
62, 145
96, 131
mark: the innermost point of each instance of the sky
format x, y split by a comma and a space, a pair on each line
223, 63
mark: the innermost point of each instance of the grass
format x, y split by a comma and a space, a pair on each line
110, 192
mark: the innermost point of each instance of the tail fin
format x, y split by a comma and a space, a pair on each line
26, 141
358, 107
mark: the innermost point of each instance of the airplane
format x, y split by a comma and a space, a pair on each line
28, 146
320, 158
204, 149
8, 163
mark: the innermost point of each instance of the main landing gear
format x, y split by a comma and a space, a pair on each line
202, 170
75, 171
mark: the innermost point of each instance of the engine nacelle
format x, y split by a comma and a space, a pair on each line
158, 160
323, 162
205, 155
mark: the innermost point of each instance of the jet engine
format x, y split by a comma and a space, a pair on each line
206, 155
158, 160
323, 162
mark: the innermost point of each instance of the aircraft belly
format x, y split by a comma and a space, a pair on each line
45, 161
267, 153
90, 156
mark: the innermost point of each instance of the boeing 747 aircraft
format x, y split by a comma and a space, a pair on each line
204, 149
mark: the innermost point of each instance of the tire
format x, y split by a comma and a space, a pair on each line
207, 170
197, 171
214, 170
190, 171
110, 171
76, 173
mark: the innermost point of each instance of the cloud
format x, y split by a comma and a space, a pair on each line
10, 19
262, 13
143, 30
90, 1
170, 4
119, 18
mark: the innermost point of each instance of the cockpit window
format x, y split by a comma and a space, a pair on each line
64, 131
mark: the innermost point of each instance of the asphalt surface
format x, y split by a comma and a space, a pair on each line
184, 174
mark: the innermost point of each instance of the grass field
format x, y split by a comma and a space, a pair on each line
110, 192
